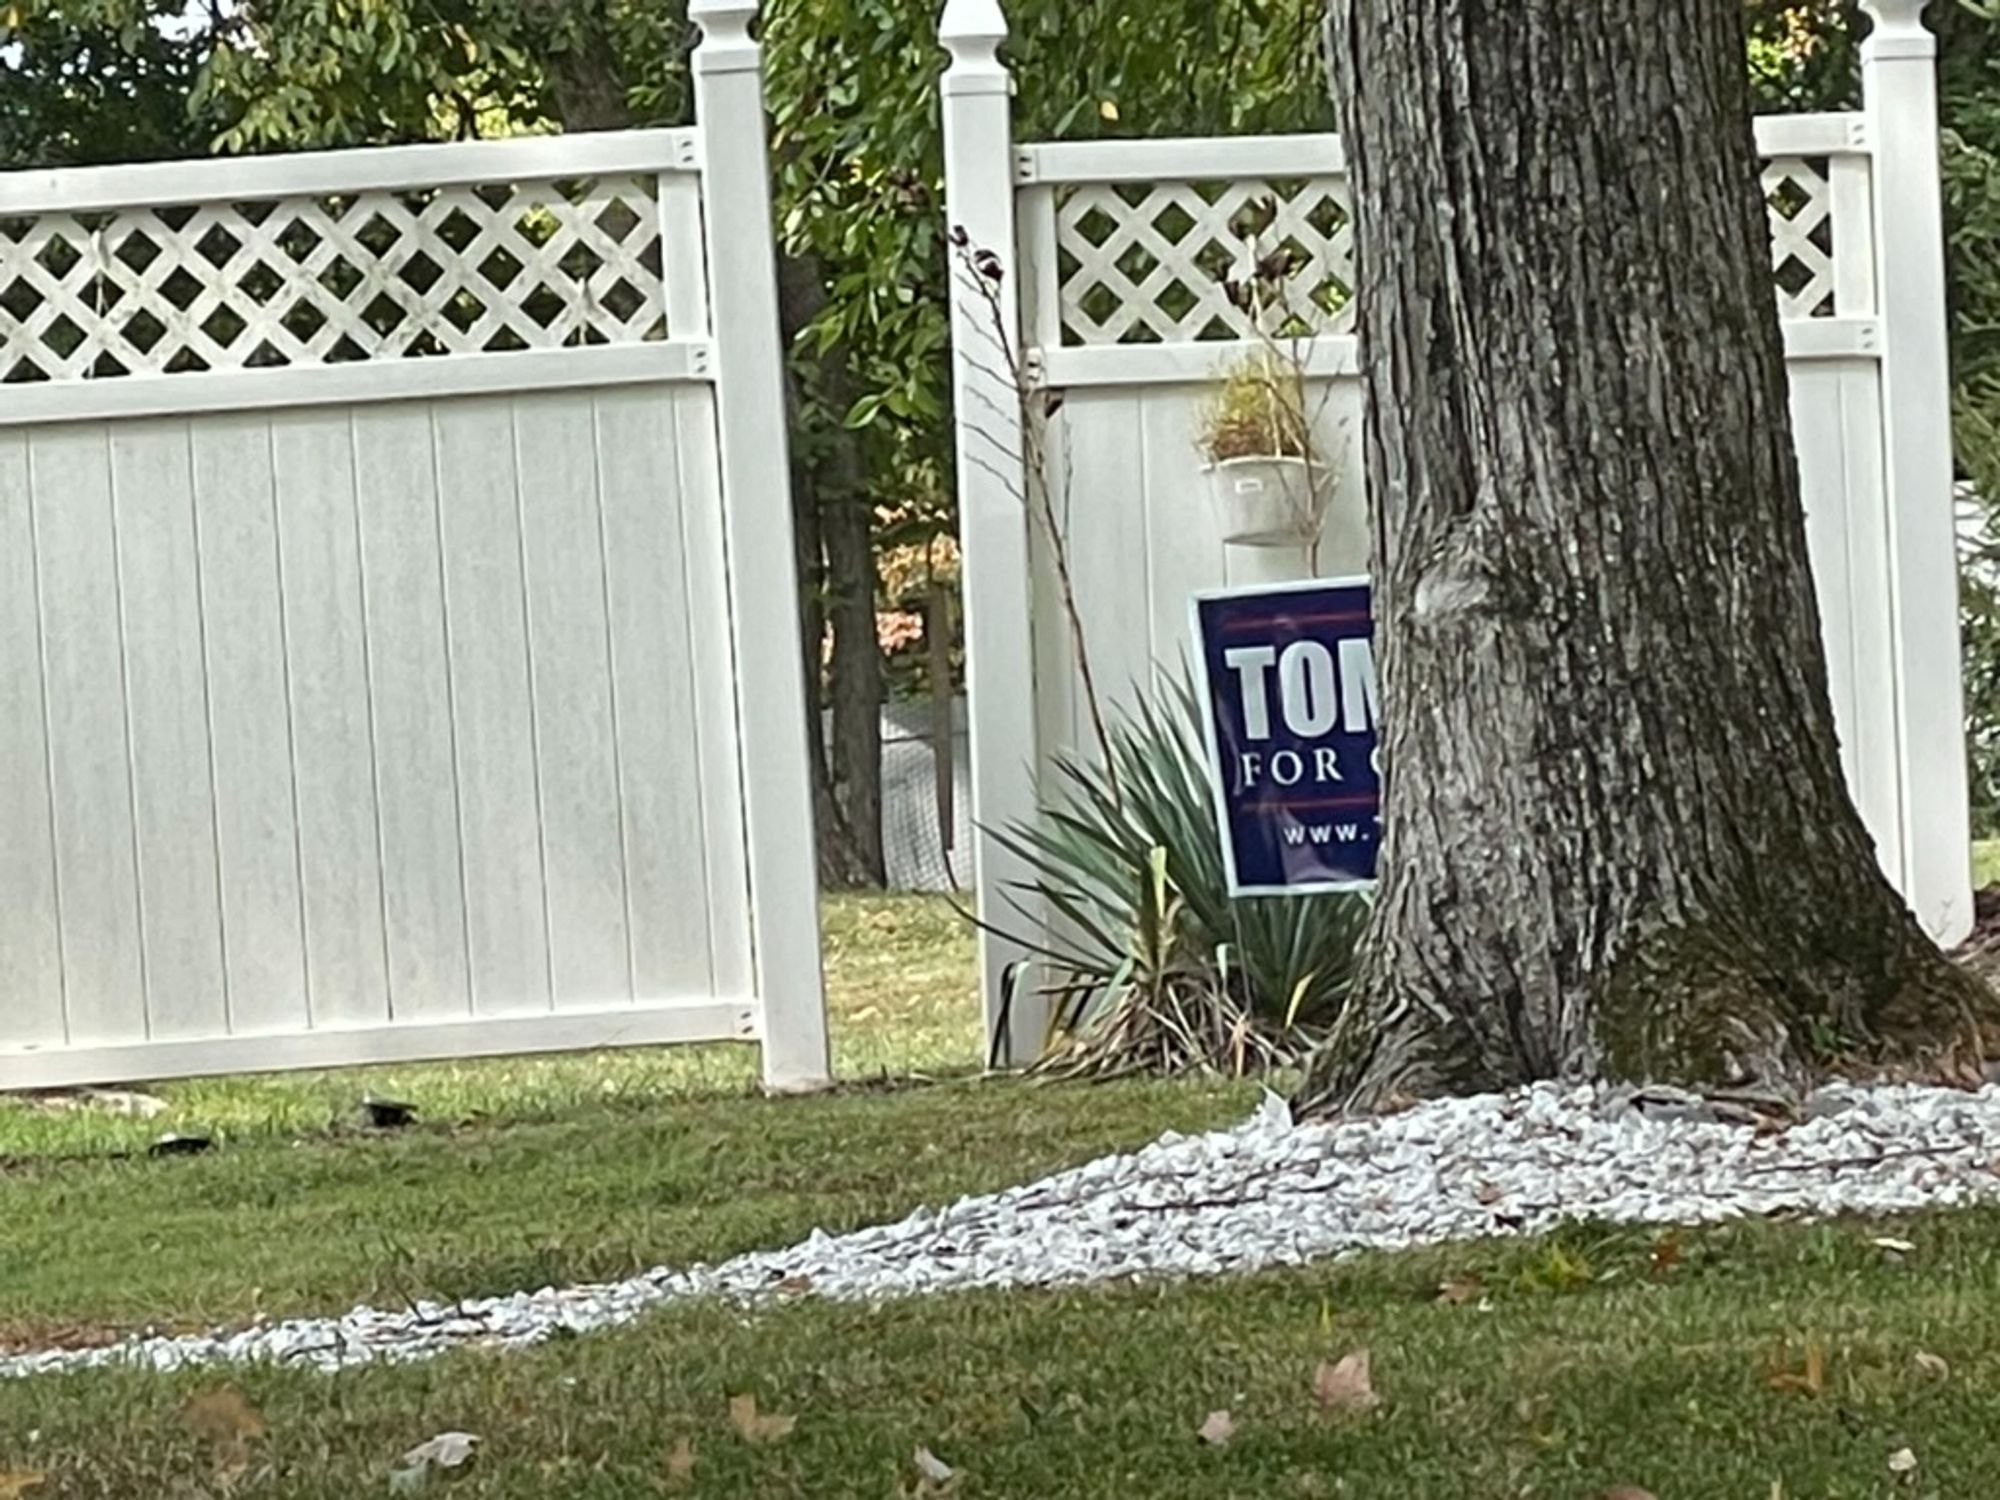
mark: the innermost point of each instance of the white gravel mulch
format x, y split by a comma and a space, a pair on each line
1264, 1193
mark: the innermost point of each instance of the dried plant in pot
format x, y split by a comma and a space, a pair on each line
1265, 479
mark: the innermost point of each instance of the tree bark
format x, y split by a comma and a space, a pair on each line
1618, 842
836, 536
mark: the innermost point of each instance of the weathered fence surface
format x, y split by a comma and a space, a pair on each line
398, 649
1106, 283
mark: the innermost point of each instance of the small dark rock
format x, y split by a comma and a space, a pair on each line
180, 1145
388, 1114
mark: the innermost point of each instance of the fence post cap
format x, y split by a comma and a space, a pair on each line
968, 23
1898, 29
726, 44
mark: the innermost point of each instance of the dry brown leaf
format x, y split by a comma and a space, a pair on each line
796, 1286
1345, 1385
223, 1415
1459, 1289
1932, 1364
755, 1426
1216, 1429
14, 1483
680, 1462
1811, 1381
1666, 1252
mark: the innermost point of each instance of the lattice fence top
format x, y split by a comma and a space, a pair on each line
331, 279
1800, 194
1169, 262
1179, 262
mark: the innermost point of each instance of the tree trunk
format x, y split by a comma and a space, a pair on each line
1618, 840
837, 589
854, 673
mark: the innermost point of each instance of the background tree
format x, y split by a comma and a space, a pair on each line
852, 90
857, 162
1619, 842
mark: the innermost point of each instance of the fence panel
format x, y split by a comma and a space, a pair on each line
1113, 257
377, 608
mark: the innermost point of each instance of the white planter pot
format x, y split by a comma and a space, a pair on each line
1265, 502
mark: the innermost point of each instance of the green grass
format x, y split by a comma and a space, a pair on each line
531, 1172
901, 993
1594, 1360
1592, 1367
282, 1228
1985, 863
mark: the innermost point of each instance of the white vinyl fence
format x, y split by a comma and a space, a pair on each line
398, 648
1108, 262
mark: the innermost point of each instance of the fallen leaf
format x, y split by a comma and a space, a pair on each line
934, 1469
222, 1416
1461, 1289
753, 1425
1216, 1429
796, 1286
680, 1462
1666, 1252
1811, 1381
1345, 1385
1902, 1461
448, 1450
1931, 1364
14, 1483
1892, 1245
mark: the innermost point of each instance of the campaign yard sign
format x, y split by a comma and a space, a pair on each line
1288, 680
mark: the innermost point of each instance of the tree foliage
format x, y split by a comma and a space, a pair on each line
857, 148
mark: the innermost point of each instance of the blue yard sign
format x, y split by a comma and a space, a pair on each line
1288, 682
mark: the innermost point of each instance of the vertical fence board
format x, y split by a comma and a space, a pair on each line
667, 841
249, 705
1108, 475
423, 894
332, 728
167, 699
77, 552
30, 955
1183, 540
506, 908
721, 726
577, 726
1823, 483
1870, 731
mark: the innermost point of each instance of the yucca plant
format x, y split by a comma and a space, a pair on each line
1153, 966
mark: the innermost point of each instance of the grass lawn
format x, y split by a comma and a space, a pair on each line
1763, 1361
1985, 863
900, 988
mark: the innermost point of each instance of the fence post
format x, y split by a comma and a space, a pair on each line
756, 496
992, 500
1899, 77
